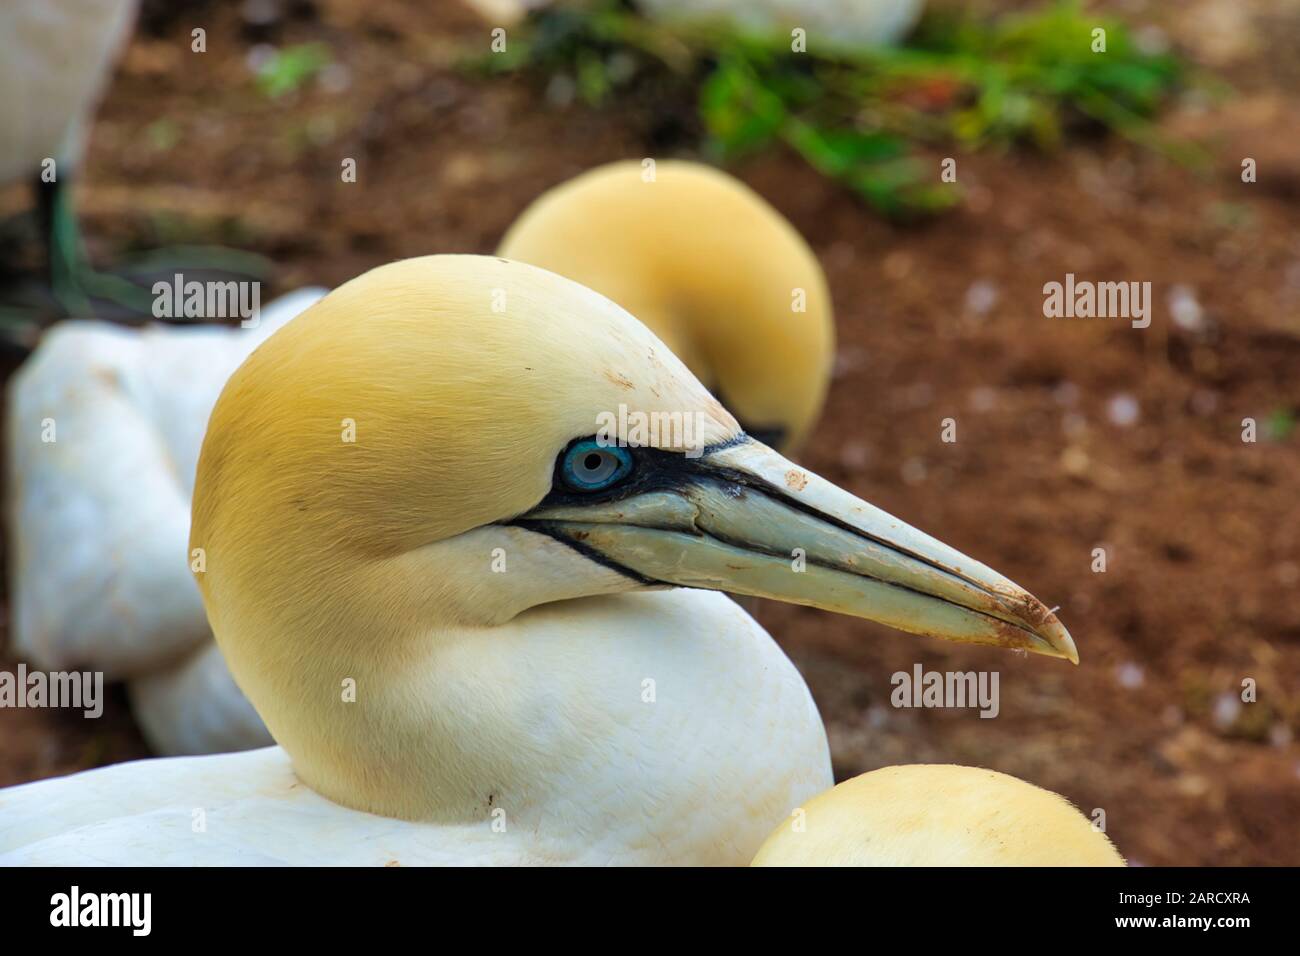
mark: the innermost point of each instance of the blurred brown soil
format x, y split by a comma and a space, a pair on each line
1071, 434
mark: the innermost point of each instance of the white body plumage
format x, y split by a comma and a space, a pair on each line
695, 767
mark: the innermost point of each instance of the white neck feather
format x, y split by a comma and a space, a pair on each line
574, 717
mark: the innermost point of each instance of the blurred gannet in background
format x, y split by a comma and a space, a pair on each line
455, 623
55, 58
99, 519
937, 815
104, 429
717, 273
838, 22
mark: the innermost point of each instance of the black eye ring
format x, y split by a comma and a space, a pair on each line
591, 466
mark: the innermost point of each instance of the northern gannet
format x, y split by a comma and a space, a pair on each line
937, 815
717, 273
55, 59
99, 519
833, 22
836, 23
444, 593
104, 429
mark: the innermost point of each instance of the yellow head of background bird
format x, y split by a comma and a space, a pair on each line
714, 271
937, 815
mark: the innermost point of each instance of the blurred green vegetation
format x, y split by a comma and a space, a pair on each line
289, 68
1280, 424
865, 117
163, 134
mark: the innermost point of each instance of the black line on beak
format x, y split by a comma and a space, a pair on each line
553, 530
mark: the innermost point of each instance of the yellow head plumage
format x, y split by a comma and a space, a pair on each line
389, 386
937, 815
711, 268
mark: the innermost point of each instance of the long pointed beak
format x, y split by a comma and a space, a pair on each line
743, 519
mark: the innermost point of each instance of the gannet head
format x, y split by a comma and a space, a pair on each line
717, 273
937, 815
444, 443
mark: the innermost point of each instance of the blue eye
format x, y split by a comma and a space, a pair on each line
588, 466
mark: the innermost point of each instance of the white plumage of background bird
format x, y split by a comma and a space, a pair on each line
104, 429
828, 22
55, 59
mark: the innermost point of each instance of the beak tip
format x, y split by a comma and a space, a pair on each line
1059, 639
